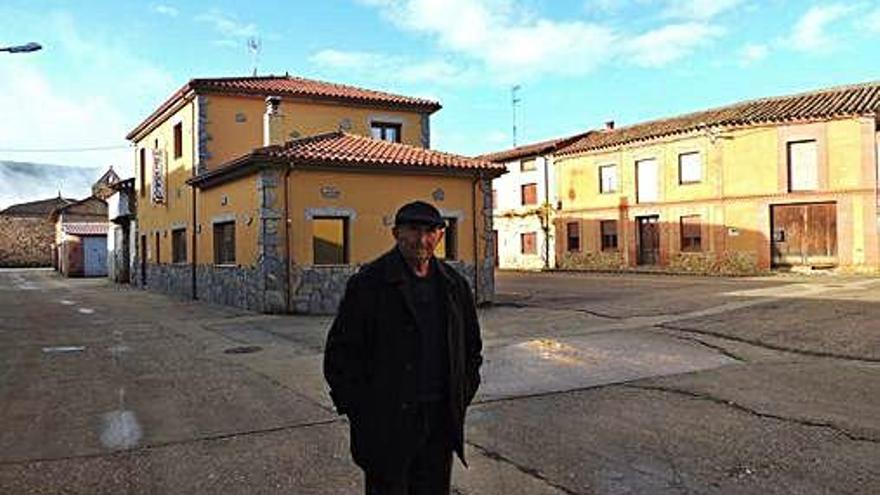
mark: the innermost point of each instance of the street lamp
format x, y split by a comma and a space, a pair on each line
27, 47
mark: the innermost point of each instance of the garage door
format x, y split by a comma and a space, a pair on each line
95, 256
804, 234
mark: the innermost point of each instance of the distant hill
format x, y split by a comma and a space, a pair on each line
22, 182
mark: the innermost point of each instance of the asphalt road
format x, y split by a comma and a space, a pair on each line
593, 384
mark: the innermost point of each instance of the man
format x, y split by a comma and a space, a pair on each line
402, 360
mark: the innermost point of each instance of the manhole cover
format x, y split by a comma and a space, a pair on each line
247, 349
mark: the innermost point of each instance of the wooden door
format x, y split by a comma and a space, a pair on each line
649, 239
804, 234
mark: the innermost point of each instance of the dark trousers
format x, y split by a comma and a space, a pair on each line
429, 470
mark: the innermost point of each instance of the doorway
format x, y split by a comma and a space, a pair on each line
648, 239
804, 234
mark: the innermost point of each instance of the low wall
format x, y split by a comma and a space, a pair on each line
25, 241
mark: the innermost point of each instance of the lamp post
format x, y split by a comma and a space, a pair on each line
27, 47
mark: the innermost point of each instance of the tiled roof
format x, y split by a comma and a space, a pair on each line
290, 86
351, 150
829, 103
37, 208
86, 228
532, 149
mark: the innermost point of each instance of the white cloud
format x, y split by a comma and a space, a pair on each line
670, 43
870, 22
810, 33
514, 46
166, 10
699, 9
392, 68
228, 25
90, 95
493, 33
752, 53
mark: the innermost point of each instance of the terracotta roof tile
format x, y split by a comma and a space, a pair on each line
300, 86
37, 208
290, 86
837, 102
352, 150
531, 149
85, 228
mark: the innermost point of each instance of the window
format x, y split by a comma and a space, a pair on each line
573, 236
690, 233
494, 199
648, 181
690, 168
330, 240
527, 165
447, 247
803, 173
158, 258
608, 230
178, 140
178, 246
224, 243
143, 171
529, 194
529, 243
386, 131
608, 179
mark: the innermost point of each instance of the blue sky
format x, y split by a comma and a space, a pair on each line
107, 64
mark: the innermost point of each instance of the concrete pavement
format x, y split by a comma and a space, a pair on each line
604, 384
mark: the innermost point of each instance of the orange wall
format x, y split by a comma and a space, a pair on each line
235, 123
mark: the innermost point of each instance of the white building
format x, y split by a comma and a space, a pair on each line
524, 203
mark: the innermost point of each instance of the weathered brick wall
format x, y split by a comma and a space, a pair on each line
25, 241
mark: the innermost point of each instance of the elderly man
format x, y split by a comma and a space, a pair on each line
402, 360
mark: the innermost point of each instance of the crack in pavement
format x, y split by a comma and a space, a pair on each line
173, 443
715, 347
739, 407
533, 472
774, 347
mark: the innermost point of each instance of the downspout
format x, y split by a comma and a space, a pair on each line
287, 286
545, 213
194, 152
477, 179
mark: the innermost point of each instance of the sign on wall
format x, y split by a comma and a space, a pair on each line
158, 193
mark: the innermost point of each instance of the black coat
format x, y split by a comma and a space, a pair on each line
371, 360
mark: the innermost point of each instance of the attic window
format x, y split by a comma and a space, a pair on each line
386, 131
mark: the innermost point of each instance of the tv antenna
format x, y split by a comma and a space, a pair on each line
514, 101
254, 45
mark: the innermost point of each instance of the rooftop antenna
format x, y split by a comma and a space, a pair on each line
254, 45
514, 101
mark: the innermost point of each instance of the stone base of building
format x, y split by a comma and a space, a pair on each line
704, 263
173, 280
316, 290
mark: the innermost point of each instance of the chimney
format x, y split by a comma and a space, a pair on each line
273, 122
609, 125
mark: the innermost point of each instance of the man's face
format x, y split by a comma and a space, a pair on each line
417, 242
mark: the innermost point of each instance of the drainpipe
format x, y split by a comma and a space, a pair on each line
545, 213
289, 291
195, 250
477, 180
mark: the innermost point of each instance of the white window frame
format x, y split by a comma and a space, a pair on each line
612, 184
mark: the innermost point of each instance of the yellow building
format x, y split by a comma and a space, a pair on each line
268, 192
770, 183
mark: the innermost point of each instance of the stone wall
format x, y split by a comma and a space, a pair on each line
601, 260
711, 263
319, 289
230, 285
25, 241
174, 279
